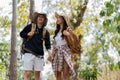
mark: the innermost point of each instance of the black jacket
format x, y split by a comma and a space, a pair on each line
35, 44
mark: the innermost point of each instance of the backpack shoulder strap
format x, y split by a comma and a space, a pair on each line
33, 28
44, 33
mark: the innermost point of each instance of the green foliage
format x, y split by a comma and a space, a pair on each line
105, 38
118, 64
107, 22
89, 73
117, 17
118, 28
102, 13
4, 47
111, 66
112, 26
108, 10
23, 14
5, 22
4, 60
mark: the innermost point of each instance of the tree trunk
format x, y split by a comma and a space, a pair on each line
81, 14
32, 8
13, 54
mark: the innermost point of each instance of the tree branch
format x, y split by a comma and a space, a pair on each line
81, 14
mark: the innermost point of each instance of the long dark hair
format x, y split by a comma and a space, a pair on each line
65, 25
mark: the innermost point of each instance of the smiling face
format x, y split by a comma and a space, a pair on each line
60, 20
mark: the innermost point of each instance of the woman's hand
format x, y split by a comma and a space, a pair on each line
49, 52
69, 30
50, 57
66, 33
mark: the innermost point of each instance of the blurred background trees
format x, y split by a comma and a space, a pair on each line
97, 24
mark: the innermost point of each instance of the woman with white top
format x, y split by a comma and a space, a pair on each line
61, 55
